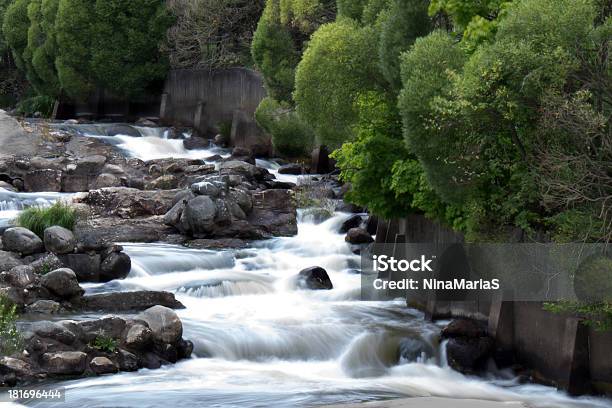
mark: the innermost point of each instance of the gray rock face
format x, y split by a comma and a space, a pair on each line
102, 365
15, 365
22, 240
86, 266
59, 240
43, 180
63, 282
199, 215
116, 265
165, 325
358, 236
44, 307
314, 278
293, 168
138, 337
8, 261
128, 301
121, 129
354, 221
90, 165
206, 188
20, 276
54, 331
107, 180
65, 362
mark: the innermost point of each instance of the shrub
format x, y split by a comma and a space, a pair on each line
15, 30
41, 104
37, 219
10, 338
41, 49
104, 343
291, 137
336, 68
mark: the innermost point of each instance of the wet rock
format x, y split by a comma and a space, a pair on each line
54, 331
59, 240
184, 195
14, 365
128, 202
43, 180
145, 122
343, 206
292, 168
20, 276
412, 350
199, 215
196, 142
6, 186
113, 169
248, 170
206, 188
107, 180
85, 266
102, 365
44, 307
8, 261
354, 221
65, 362
127, 361
116, 265
173, 216
315, 278
184, 349
63, 282
464, 328
220, 140
22, 240
468, 355
124, 130
90, 165
110, 327
128, 301
167, 182
358, 236
275, 212
165, 325
138, 337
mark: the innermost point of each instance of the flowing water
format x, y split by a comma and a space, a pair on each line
11, 203
262, 342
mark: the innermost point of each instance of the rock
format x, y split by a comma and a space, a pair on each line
127, 301
121, 129
90, 165
274, 211
195, 142
206, 188
59, 240
145, 122
198, 216
412, 350
184, 195
53, 331
468, 355
107, 180
292, 168
167, 182
110, 327
315, 278
165, 325
85, 266
6, 186
138, 337
44, 307
22, 240
128, 202
43, 180
127, 361
464, 328
65, 362
358, 236
220, 140
8, 261
354, 221
113, 169
173, 216
116, 265
242, 168
102, 365
63, 282
184, 349
321, 162
20, 276
242, 198
19, 367
214, 158
343, 206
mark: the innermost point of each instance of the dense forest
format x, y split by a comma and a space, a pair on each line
483, 115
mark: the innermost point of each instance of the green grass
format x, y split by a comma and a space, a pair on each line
37, 219
10, 338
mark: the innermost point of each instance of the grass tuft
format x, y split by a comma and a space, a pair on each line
37, 219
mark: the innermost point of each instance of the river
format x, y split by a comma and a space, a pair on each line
261, 342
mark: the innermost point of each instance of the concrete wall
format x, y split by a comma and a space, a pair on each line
559, 349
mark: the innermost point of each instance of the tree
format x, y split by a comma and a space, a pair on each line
41, 49
337, 67
15, 30
211, 33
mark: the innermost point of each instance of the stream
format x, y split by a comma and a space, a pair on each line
261, 342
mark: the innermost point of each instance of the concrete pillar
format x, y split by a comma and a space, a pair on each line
381, 231
575, 358
164, 108
198, 116
501, 329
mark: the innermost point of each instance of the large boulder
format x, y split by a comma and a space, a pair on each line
90, 165
165, 325
59, 240
292, 168
116, 265
357, 236
22, 240
315, 278
43, 180
107, 180
53, 331
127, 301
63, 282
8, 261
102, 365
199, 215
138, 337
354, 221
20, 276
464, 328
65, 362
123, 130
468, 355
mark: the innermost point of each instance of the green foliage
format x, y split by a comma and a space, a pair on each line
37, 219
406, 21
29, 106
4, 48
10, 338
15, 30
104, 343
352, 8
290, 136
41, 49
596, 315
336, 68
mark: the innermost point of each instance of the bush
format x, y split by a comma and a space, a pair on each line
15, 30
42, 104
104, 343
290, 136
10, 338
37, 219
336, 68
41, 49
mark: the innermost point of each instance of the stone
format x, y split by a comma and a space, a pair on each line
184, 195
173, 216
321, 162
184, 348
127, 301
123, 130
206, 188
53, 331
90, 165
85, 266
138, 337
468, 355
63, 282
44, 307
8, 261
43, 180
199, 214
145, 122
20, 276
464, 328
22, 240
116, 265
354, 221
102, 365
412, 350
242, 168
220, 140
166, 182
292, 168
195, 142
243, 199
110, 326
274, 211
59, 240
107, 180
314, 278
113, 169
65, 362
127, 361
165, 325
357, 236
6, 186
19, 367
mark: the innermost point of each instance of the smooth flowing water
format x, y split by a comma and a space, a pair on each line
262, 342
11, 203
